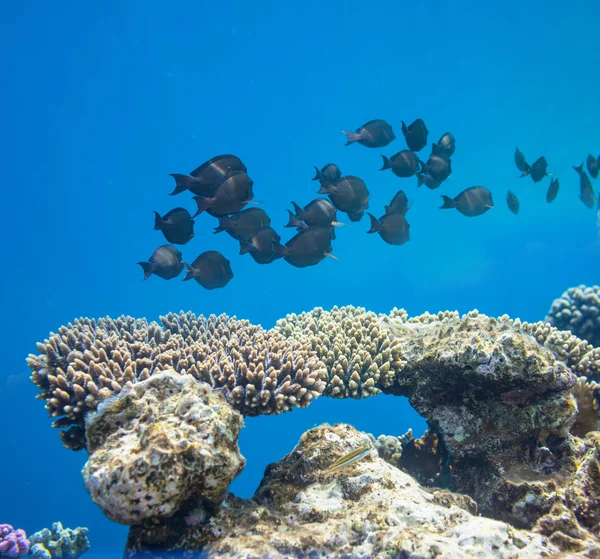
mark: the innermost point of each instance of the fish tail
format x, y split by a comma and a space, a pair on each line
387, 164
148, 269
298, 210
424, 168
527, 170
294, 221
158, 221
326, 188
318, 176
375, 224
448, 203
337, 223
579, 169
190, 272
352, 137
182, 183
246, 246
280, 250
203, 204
404, 128
421, 180
224, 224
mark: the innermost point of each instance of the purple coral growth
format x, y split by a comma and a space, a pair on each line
13, 543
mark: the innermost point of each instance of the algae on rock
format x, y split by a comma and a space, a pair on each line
159, 442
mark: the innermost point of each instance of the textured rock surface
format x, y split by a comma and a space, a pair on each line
578, 310
59, 542
159, 442
367, 509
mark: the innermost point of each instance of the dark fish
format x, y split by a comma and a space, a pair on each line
264, 245
438, 166
331, 172
428, 181
177, 225
471, 202
242, 225
405, 163
415, 134
521, 164
229, 197
448, 144
349, 195
513, 202
539, 169
320, 212
165, 262
392, 228
552, 190
586, 190
373, 134
308, 247
399, 204
203, 179
211, 270
592, 166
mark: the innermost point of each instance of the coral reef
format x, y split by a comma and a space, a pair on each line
512, 407
13, 543
578, 310
59, 542
368, 509
159, 442
88, 361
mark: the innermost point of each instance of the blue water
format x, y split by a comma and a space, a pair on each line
101, 101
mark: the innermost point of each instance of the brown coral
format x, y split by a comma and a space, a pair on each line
360, 356
87, 361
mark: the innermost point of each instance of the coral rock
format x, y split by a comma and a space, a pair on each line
578, 310
366, 509
59, 542
13, 543
159, 442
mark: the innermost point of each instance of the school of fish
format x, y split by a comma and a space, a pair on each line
222, 188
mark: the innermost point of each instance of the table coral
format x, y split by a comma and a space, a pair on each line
159, 442
578, 310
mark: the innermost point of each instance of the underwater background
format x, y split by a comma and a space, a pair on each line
102, 101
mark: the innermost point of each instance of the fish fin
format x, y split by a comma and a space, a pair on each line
318, 176
579, 169
281, 250
327, 188
203, 204
294, 221
245, 246
436, 149
158, 221
224, 224
297, 210
387, 209
182, 183
387, 164
404, 128
424, 168
526, 170
448, 203
190, 272
329, 255
148, 268
375, 224
352, 137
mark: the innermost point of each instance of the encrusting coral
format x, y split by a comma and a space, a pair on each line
158, 442
578, 310
59, 542
367, 509
506, 401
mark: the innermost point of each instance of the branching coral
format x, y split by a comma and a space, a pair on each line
578, 310
88, 361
